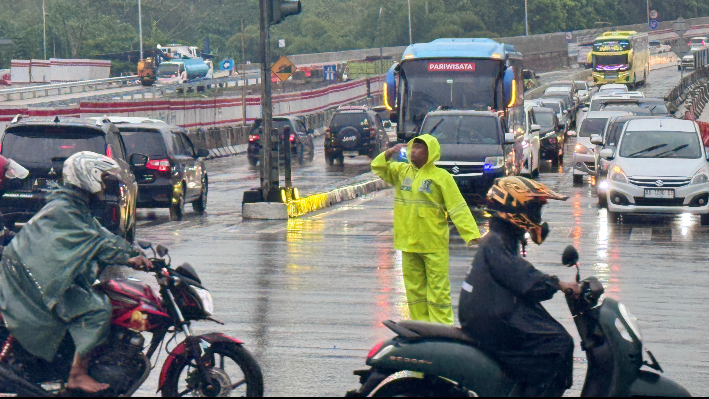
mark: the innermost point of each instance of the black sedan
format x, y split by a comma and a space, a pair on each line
300, 138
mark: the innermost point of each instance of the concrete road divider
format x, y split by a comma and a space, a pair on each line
299, 207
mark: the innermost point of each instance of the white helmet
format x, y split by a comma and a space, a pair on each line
86, 169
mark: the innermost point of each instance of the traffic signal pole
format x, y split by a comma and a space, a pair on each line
269, 162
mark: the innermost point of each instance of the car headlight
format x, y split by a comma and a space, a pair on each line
494, 163
630, 320
701, 177
581, 149
206, 298
617, 174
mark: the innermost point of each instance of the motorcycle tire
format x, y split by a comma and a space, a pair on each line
252, 377
411, 388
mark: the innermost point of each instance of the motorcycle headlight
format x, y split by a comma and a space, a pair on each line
494, 163
581, 149
206, 298
701, 177
631, 321
617, 174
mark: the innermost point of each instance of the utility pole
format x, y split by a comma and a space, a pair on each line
140, 29
269, 172
44, 23
648, 12
246, 80
381, 51
411, 36
526, 19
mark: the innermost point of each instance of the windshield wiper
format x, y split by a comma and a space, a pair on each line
670, 152
653, 148
435, 127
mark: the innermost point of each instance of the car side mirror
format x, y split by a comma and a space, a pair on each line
596, 139
585, 109
510, 138
202, 153
387, 124
138, 160
394, 118
536, 128
607, 153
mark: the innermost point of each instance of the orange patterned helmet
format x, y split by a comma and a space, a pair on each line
520, 201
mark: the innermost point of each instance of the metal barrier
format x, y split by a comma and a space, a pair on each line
83, 86
681, 92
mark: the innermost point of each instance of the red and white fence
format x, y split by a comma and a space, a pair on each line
212, 112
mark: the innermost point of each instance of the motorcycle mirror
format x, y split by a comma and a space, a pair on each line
162, 250
570, 257
145, 244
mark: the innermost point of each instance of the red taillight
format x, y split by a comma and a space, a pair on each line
161, 165
114, 215
109, 151
254, 137
292, 137
375, 350
552, 140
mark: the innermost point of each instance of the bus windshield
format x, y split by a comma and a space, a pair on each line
452, 83
604, 61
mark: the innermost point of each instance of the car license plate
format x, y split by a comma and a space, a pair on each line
44, 184
612, 76
663, 194
351, 153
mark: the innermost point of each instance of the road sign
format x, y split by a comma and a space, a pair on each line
283, 68
330, 72
653, 24
569, 36
282, 43
654, 14
680, 26
573, 50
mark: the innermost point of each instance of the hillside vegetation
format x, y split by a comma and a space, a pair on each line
86, 28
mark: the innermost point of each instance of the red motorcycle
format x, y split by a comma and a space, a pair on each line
206, 365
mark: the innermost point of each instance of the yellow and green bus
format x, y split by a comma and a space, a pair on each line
621, 57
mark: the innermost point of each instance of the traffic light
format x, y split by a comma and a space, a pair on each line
280, 9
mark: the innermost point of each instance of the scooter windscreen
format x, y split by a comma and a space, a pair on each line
16, 171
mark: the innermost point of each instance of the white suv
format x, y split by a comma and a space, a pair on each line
660, 167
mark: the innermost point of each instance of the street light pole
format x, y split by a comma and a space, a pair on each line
140, 28
381, 51
44, 23
648, 12
411, 36
526, 19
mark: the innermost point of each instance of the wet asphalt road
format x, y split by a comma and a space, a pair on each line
308, 296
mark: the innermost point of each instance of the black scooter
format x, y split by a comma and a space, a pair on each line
431, 360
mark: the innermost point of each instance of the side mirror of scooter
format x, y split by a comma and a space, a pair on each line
161, 250
145, 244
570, 257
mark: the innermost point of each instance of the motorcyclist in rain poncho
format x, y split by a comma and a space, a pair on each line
47, 271
500, 304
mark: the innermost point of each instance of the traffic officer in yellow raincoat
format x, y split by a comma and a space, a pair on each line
426, 196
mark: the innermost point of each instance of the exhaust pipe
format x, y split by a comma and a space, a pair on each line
18, 384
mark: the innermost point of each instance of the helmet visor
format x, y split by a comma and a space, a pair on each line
16, 171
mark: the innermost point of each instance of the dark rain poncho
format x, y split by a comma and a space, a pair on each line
500, 307
47, 272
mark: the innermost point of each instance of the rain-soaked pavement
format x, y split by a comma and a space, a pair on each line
308, 296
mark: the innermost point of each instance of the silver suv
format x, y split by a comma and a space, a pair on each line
660, 167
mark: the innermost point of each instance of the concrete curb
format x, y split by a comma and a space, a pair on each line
320, 201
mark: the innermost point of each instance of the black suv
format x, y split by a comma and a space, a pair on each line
42, 145
551, 137
175, 173
354, 131
301, 139
475, 149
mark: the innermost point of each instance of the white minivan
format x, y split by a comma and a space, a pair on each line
660, 167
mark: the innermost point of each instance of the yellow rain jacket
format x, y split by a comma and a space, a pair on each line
424, 200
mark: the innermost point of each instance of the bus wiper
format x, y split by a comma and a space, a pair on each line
672, 151
653, 148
